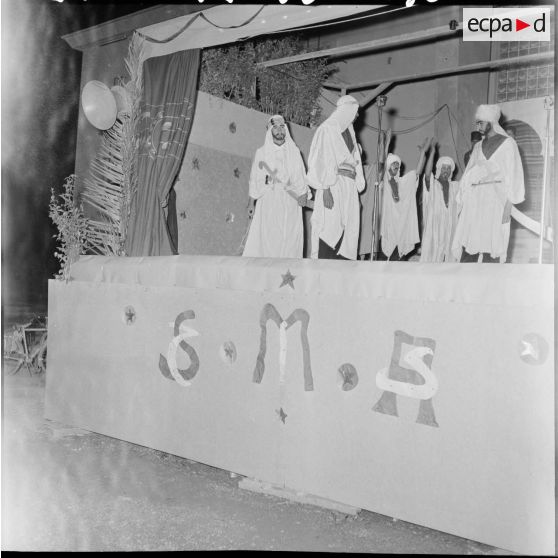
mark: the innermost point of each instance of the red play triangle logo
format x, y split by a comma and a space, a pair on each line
519, 24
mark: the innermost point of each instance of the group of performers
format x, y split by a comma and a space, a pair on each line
462, 221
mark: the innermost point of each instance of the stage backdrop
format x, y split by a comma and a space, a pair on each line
212, 186
422, 392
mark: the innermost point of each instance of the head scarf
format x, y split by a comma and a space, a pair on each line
277, 119
490, 113
347, 107
392, 158
292, 151
444, 161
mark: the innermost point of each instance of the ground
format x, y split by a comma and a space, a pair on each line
66, 489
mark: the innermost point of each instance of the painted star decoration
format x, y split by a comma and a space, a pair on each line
533, 349
531, 352
130, 315
282, 415
288, 279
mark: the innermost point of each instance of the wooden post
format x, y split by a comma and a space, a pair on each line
488, 65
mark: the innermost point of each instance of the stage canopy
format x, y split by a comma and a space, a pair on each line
229, 23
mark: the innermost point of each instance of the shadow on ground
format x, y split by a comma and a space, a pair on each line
66, 489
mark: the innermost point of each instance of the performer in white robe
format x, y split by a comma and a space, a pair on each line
278, 189
439, 211
335, 171
492, 182
399, 230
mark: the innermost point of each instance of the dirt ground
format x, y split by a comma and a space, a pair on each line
66, 489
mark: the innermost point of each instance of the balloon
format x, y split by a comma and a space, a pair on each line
99, 105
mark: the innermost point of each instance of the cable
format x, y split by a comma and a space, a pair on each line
249, 20
459, 162
465, 137
415, 117
173, 36
431, 116
204, 17
408, 130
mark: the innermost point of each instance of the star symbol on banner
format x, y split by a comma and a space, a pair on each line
130, 314
530, 350
282, 415
288, 279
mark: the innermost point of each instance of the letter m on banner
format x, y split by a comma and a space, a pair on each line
269, 312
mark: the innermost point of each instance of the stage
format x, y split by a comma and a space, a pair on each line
423, 392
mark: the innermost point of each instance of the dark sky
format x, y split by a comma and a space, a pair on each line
40, 100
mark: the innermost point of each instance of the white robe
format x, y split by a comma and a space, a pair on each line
276, 230
327, 152
399, 222
439, 222
480, 227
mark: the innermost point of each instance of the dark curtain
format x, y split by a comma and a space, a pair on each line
172, 221
170, 86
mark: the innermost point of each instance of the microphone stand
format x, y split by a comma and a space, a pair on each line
379, 151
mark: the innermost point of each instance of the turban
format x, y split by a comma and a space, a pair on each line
347, 108
490, 113
444, 161
346, 100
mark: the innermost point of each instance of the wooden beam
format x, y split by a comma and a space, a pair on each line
371, 96
339, 86
368, 46
538, 58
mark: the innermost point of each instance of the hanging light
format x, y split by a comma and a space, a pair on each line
99, 105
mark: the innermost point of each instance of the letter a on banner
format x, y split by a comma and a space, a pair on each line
410, 375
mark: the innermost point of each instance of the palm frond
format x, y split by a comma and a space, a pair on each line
111, 183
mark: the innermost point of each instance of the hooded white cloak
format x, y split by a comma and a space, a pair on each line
399, 221
328, 154
480, 227
439, 221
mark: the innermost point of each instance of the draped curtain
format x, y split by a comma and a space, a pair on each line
166, 113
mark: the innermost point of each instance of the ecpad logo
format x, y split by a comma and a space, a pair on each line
507, 24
